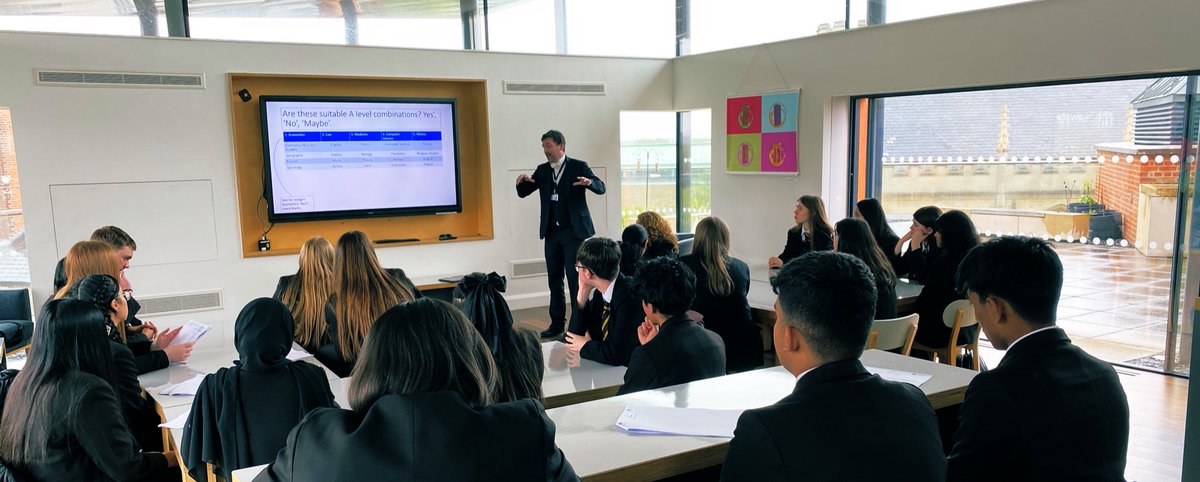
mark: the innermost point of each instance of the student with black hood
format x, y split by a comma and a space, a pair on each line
517, 351
242, 414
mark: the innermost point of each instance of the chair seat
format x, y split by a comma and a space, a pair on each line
16, 333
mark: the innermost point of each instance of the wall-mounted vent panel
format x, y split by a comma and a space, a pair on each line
119, 79
180, 303
555, 88
529, 268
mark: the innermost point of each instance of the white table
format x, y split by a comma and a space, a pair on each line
200, 363
568, 382
762, 297
598, 450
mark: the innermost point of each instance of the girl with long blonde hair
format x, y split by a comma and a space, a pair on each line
306, 293
722, 287
363, 290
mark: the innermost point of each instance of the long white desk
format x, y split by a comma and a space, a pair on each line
201, 363
762, 297
599, 451
569, 381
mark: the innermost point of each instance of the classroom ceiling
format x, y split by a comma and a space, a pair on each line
247, 8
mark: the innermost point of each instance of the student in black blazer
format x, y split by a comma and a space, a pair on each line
812, 231
917, 261
722, 287
422, 409
562, 183
955, 235
840, 422
674, 348
1049, 411
609, 310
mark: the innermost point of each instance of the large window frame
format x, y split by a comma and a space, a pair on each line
864, 178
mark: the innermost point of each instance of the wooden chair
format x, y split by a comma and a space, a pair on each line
894, 333
956, 316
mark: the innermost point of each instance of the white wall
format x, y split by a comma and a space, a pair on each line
102, 135
1030, 42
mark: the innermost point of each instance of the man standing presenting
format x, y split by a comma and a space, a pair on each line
566, 222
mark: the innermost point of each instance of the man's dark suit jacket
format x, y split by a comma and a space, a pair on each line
625, 315
573, 197
840, 423
682, 352
426, 436
1047, 412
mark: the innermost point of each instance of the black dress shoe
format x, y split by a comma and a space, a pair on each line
554, 331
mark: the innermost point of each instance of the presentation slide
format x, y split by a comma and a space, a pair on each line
332, 156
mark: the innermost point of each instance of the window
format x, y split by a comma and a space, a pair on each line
522, 26
104, 18
14, 265
666, 166
261, 20
902, 10
1094, 167
718, 25
622, 28
401, 24
647, 165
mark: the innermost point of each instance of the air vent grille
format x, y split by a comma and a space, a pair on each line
180, 303
119, 79
555, 88
529, 268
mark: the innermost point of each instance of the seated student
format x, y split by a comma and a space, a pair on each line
662, 237
922, 250
674, 348
362, 290
140, 336
307, 293
1049, 411
812, 231
517, 351
955, 235
104, 292
722, 287
871, 211
58, 421
634, 240
421, 394
853, 237
87, 258
840, 422
609, 310
242, 415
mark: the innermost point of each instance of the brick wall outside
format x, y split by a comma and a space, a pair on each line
10, 194
1118, 184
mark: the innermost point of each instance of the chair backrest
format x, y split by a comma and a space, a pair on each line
895, 333
14, 305
685, 246
951, 313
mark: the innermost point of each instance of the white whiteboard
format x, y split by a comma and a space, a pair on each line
525, 218
172, 221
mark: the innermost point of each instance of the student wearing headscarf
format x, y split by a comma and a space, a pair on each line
517, 351
634, 242
242, 414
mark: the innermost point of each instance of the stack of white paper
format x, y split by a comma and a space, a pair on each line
187, 388
296, 355
679, 421
191, 332
177, 422
911, 378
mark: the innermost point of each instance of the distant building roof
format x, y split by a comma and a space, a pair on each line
1060, 120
